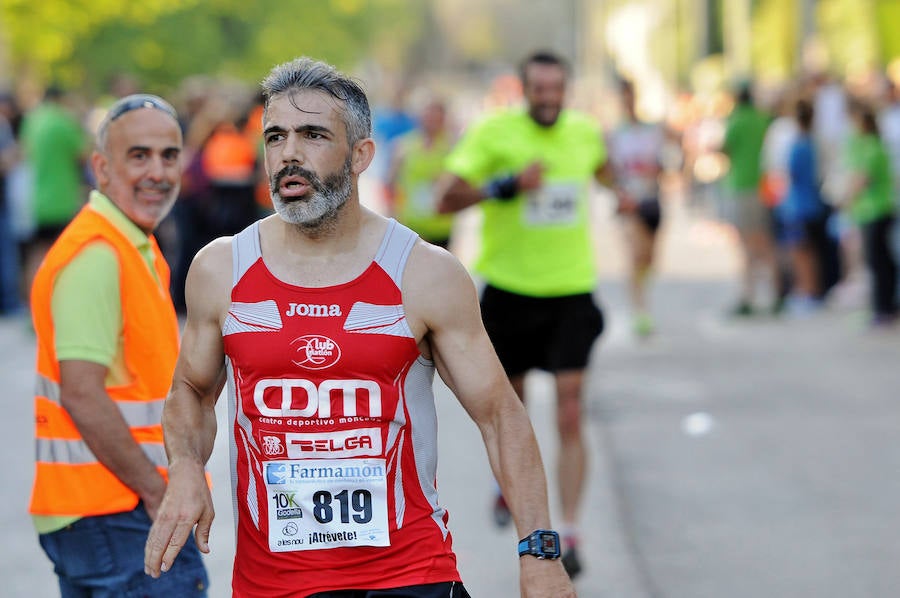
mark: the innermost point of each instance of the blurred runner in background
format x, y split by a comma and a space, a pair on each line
530, 171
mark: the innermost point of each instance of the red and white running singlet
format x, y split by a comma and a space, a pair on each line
333, 444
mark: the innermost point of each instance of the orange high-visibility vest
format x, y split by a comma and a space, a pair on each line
69, 480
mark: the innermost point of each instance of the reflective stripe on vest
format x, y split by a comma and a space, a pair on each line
76, 452
137, 414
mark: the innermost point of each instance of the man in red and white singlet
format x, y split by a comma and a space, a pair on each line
327, 322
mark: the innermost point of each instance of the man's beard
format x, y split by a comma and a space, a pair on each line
328, 196
545, 115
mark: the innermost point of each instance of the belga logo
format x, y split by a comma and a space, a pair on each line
315, 352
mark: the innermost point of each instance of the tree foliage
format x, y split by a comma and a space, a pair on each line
84, 43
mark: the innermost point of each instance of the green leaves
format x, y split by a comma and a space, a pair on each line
83, 43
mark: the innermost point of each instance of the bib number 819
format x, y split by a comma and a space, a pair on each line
360, 501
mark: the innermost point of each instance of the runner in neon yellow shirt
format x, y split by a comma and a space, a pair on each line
417, 162
530, 171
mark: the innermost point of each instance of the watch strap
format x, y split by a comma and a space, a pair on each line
533, 544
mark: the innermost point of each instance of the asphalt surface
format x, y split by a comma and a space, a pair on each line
729, 458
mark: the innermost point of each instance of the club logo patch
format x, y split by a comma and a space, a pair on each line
272, 446
315, 352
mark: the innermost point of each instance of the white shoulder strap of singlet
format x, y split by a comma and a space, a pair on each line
245, 250
395, 247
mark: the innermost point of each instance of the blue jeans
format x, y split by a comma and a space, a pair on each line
103, 557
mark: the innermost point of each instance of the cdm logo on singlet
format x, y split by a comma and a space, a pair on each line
302, 398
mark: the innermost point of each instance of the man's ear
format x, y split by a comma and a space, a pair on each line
363, 152
100, 166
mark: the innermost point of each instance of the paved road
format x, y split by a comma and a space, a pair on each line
728, 458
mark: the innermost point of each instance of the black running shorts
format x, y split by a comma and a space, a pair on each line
650, 213
547, 333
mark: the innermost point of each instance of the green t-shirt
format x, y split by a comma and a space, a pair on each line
87, 312
420, 168
537, 244
53, 142
866, 155
745, 130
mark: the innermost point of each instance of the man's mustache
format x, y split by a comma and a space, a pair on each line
294, 170
160, 186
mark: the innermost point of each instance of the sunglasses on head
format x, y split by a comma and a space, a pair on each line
133, 102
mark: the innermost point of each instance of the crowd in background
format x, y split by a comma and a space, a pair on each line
44, 152
808, 176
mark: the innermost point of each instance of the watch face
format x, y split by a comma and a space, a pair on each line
549, 544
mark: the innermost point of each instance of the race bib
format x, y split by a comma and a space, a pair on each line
552, 204
326, 503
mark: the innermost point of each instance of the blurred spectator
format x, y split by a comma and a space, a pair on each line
889, 123
54, 144
776, 149
9, 250
393, 120
773, 186
197, 124
218, 186
830, 128
871, 205
704, 163
417, 163
253, 131
229, 161
389, 122
635, 159
802, 215
830, 132
745, 130
18, 183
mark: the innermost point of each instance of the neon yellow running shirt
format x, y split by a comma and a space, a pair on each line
415, 185
537, 244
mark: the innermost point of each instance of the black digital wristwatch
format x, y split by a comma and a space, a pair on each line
542, 543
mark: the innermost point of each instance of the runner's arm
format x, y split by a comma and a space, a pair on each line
189, 418
455, 193
605, 175
466, 360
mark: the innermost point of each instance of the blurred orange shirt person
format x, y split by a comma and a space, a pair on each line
253, 133
229, 156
